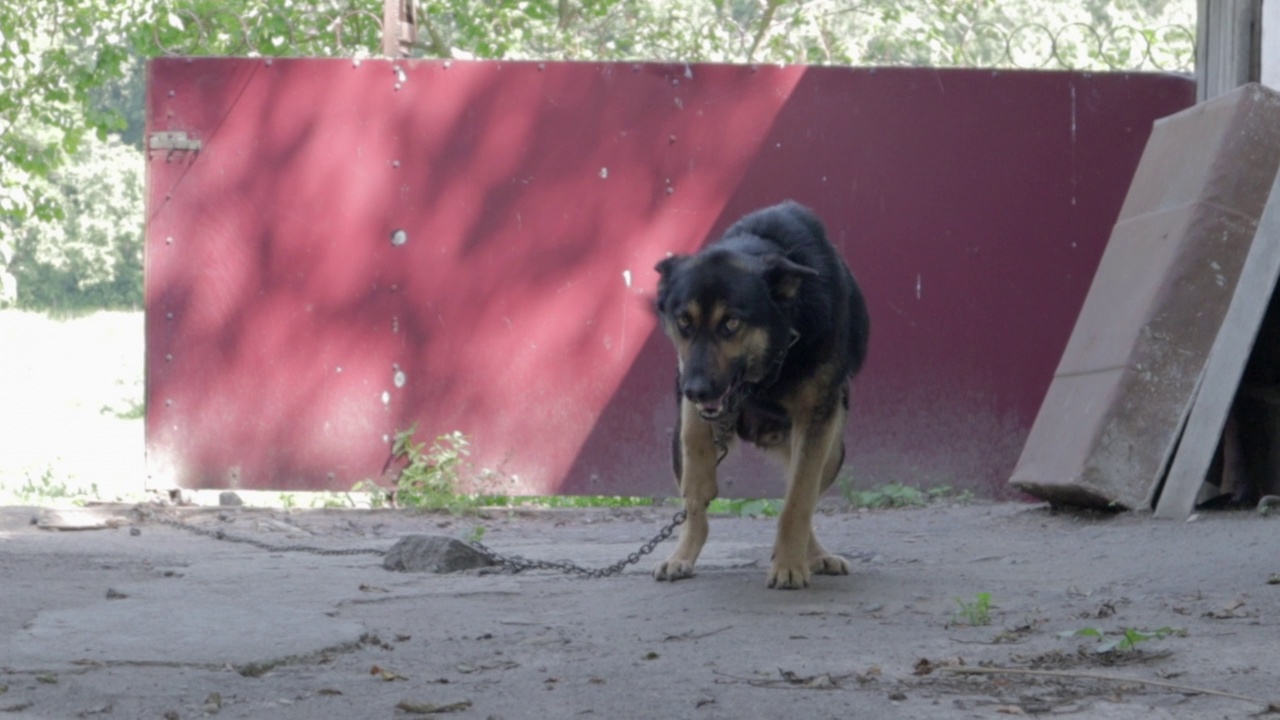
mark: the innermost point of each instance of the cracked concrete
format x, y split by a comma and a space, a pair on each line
165, 623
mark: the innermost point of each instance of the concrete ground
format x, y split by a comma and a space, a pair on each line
145, 620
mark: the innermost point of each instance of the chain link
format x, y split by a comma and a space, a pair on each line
513, 563
516, 564
221, 535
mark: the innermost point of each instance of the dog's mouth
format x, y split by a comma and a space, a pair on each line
713, 409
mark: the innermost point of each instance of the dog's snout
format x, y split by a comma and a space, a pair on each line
698, 389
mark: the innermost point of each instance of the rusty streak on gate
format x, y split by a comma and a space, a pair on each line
343, 248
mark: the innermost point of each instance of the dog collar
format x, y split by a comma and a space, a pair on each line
782, 358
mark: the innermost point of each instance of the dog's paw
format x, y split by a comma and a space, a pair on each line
673, 569
792, 577
829, 565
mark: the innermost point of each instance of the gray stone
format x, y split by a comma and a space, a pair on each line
434, 553
229, 499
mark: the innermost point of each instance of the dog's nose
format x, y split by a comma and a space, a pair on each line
698, 389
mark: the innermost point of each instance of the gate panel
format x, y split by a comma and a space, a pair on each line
358, 246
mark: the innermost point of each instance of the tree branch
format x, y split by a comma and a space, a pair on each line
771, 8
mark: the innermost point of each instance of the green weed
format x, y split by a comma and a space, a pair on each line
332, 501
1125, 640
431, 476
378, 496
974, 612
46, 487
745, 507
135, 411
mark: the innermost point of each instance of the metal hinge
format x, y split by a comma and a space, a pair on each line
174, 142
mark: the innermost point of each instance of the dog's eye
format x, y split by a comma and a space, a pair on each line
730, 326
683, 323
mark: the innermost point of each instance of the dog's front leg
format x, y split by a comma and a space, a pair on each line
811, 448
698, 456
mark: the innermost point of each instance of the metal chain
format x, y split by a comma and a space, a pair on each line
514, 563
221, 535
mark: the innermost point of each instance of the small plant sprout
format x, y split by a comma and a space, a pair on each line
974, 612
377, 495
1123, 641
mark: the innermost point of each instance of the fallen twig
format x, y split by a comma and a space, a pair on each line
691, 636
788, 680
1272, 707
421, 708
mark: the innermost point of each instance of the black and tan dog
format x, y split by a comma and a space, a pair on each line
769, 326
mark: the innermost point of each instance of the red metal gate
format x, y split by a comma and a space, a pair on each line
337, 249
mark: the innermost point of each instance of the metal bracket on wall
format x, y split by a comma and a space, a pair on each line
173, 142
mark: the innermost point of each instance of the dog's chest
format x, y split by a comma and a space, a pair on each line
762, 422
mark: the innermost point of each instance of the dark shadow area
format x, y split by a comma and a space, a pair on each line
1246, 467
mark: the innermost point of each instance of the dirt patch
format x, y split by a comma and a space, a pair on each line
135, 619
338, 635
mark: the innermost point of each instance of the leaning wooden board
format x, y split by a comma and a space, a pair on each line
1112, 417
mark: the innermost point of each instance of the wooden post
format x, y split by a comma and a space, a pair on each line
1269, 74
399, 28
1228, 45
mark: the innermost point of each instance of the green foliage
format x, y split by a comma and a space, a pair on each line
430, 479
90, 256
892, 495
1125, 640
378, 496
132, 410
72, 71
330, 501
1094, 34
46, 487
745, 508
52, 56
974, 612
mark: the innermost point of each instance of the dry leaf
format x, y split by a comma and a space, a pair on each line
386, 675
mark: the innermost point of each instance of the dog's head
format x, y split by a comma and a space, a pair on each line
723, 310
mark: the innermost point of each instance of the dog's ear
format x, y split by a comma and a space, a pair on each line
783, 276
665, 267
668, 264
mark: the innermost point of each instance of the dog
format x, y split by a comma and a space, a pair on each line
769, 327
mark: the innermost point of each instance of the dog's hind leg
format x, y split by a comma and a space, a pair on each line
815, 448
697, 456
